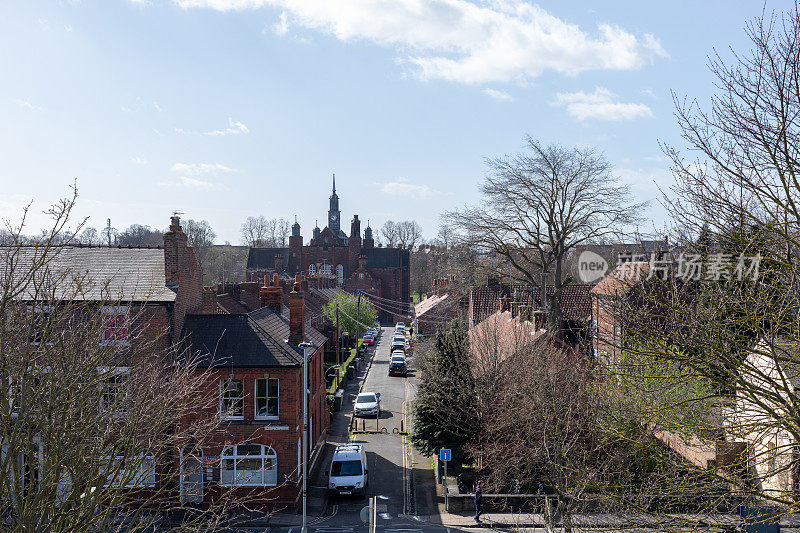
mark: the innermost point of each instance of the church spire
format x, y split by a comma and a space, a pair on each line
334, 184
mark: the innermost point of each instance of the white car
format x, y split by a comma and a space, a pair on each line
368, 404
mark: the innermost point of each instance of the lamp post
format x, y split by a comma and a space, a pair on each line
308, 351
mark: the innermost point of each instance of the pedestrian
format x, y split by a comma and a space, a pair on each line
478, 501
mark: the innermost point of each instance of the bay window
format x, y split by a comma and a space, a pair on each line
249, 465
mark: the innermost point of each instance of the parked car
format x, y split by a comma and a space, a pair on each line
400, 325
397, 365
348, 473
369, 340
367, 404
399, 345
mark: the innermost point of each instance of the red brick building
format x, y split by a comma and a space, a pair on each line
258, 363
351, 262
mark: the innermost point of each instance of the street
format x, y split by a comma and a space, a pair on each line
388, 455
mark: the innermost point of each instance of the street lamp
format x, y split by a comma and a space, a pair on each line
308, 351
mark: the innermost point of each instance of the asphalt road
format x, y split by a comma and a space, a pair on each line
387, 452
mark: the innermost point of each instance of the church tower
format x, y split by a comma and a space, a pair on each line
334, 216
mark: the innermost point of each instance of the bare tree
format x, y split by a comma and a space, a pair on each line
262, 232
201, 236
93, 412
254, 231
140, 235
282, 231
89, 236
389, 231
733, 322
409, 234
537, 206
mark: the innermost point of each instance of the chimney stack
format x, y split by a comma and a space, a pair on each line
271, 293
296, 309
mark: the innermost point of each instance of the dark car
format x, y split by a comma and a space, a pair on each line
397, 366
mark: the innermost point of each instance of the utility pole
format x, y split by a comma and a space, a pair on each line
308, 350
358, 318
338, 337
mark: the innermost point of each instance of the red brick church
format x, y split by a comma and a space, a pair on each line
350, 262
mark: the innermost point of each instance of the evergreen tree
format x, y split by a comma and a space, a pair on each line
445, 409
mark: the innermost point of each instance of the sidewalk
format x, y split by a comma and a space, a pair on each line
338, 433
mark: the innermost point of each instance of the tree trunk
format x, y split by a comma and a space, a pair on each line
554, 316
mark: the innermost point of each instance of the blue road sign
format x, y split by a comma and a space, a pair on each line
444, 454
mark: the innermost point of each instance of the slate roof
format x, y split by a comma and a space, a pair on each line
386, 257
224, 340
265, 258
128, 274
229, 304
277, 326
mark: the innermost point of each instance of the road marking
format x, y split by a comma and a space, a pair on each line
403, 530
385, 516
334, 529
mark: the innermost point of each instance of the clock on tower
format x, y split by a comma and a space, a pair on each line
333, 212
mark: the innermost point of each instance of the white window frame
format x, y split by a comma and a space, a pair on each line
116, 310
143, 477
222, 390
267, 454
105, 373
267, 397
312, 269
339, 275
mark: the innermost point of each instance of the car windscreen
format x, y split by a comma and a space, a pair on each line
346, 468
398, 359
366, 398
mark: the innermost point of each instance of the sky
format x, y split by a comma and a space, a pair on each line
224, 109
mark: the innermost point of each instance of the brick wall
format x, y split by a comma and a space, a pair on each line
183, 273
282, 435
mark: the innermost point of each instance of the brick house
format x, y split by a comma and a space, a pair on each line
349, 262
258, 368
143, 295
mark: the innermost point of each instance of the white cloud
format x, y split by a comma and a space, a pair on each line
27, 105
194, 183
600, 105
138, 160
282, 26
402, 187
464, 41
199, 169
68, 28
199, 175
156, 106
650, 93
232, 129
44, 24
498, 95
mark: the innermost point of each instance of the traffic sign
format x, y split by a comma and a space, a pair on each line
444, 454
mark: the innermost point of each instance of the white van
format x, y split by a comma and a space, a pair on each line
348, 473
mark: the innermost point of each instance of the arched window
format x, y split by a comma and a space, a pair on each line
339, 275
312, 269
249, 465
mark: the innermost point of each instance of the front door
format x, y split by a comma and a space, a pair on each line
192, 477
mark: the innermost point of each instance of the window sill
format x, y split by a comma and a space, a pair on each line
246, 485
266, 420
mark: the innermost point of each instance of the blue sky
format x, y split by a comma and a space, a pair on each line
224, 109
